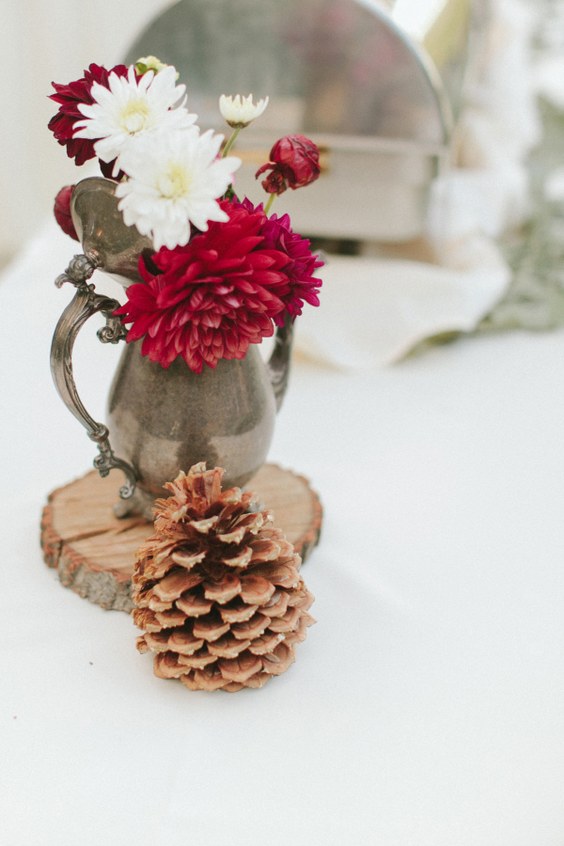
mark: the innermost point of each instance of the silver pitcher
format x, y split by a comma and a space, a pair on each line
162, 421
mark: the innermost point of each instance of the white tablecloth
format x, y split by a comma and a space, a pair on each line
425, 708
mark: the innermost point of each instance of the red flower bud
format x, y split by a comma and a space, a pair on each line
62, 211
294, 162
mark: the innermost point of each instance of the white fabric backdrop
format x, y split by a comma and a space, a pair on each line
425, 708
44, 41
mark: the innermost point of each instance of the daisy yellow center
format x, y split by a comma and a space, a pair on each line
134, 116
174, 182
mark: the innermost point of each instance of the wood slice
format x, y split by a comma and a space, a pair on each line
94, 551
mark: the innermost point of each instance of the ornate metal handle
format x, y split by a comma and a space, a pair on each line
84, 304
279, 361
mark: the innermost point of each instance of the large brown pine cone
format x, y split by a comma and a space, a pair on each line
217, 589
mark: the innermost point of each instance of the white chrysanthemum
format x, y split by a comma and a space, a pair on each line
131, 108
175, 179
239, 111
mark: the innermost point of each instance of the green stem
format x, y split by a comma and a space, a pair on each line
269, 202
231, 141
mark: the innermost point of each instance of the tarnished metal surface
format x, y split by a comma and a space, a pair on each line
106, 240
345, 72
163, 421
84, 304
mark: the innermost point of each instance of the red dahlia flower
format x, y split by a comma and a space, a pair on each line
69, 97
213, 297
62, 213
294, 162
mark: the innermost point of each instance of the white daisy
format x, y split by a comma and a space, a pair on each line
239, 111
175, 179
131, 108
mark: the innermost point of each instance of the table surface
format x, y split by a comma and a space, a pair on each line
425, 708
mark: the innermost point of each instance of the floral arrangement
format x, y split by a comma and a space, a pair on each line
224, 271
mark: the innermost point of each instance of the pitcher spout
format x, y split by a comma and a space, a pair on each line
112, 246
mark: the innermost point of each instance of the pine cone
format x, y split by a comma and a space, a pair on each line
217, 589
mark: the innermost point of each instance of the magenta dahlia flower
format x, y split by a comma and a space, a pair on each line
213, 297
69, 98
301, 285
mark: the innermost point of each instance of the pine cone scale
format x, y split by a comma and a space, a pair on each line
194, 605
255, 627
240, 669
154, 603
210, 628
175, 582
166, 666
241, 559
264, 550
188, 559
281, 575
223, 591
157, 642
228, 647
238, 614
184, 642
265, 643
144, 618
287, 622
256, 590
277, 662
170, 618
277, 604
197, 661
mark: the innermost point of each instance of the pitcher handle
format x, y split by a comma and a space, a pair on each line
84, 304
279, 361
